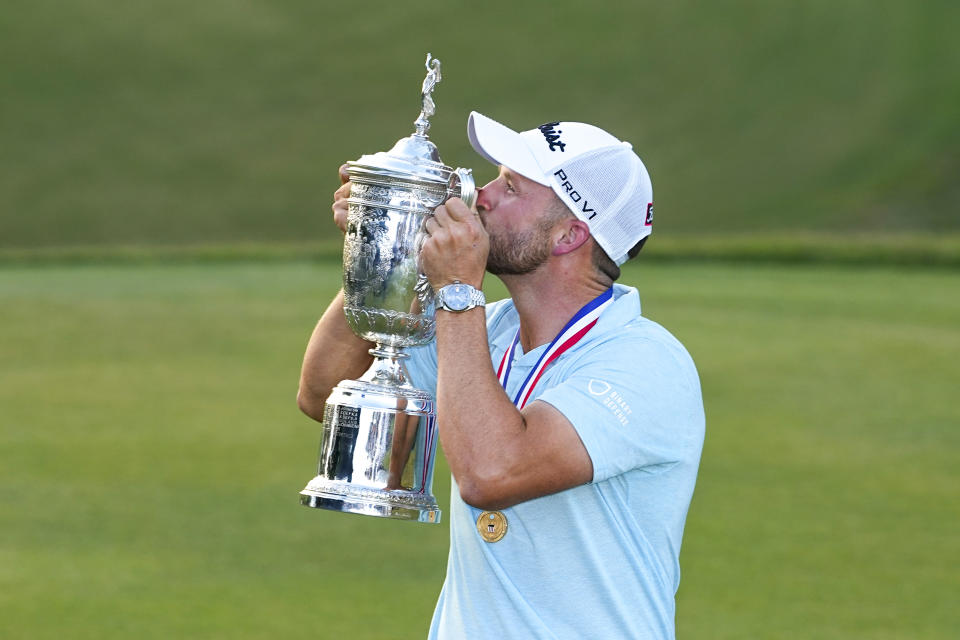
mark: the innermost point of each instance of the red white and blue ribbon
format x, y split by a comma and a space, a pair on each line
429, 440
572, 333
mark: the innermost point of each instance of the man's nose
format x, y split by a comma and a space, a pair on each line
484, 202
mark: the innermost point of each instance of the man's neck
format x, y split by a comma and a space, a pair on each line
547, 301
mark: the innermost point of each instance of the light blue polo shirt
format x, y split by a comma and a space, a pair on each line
599, 560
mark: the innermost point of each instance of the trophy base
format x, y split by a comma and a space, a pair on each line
378, 447
322, 493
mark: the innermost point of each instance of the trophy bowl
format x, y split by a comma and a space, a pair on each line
379, 434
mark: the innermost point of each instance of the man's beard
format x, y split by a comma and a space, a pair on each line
521, 253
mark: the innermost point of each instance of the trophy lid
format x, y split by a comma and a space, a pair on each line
414, 158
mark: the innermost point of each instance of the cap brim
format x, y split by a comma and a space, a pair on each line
503, 146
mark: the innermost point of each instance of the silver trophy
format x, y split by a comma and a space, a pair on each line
379, 437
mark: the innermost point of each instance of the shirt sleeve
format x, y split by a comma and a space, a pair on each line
422, 363
635, 404
422, 367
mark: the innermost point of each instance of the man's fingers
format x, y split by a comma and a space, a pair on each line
441, 216
458, 221
343, 191
340, 206
344, 176
340, 214
458, 210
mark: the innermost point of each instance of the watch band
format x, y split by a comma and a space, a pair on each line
458, 297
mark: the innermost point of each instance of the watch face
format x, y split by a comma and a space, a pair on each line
456, 297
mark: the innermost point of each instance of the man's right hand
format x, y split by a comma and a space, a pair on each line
340, 205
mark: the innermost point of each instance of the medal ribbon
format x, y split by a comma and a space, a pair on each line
574, 330
430, 435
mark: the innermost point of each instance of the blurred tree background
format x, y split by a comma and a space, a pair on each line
174, 122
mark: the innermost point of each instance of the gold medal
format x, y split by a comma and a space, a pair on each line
492, 526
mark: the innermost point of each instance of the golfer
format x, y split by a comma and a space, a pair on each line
572, 424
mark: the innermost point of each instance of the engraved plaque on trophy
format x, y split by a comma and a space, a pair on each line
379, 435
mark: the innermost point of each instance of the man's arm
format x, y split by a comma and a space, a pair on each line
333, 354
334, 351
499, 455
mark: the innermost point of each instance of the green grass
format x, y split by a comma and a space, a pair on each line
152, 453
905, 250
170, 122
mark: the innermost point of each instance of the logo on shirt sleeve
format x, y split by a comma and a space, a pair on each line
611, 400
598, 387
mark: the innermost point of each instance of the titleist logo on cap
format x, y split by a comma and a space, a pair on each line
552, 136
573, 194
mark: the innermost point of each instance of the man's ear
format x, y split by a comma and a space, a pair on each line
569, 236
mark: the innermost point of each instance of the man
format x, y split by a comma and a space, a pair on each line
571, 489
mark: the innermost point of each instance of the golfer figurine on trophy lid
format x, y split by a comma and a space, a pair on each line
379, 437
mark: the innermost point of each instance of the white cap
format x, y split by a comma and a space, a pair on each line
596, 175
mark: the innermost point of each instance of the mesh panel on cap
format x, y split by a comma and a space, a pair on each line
605, 189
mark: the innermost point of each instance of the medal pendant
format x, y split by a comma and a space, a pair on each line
492, 526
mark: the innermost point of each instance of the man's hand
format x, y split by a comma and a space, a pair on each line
340, 206
456, 246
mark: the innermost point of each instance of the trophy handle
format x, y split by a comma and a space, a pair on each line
461, 185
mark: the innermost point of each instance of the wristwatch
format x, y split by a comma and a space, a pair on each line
458, 297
